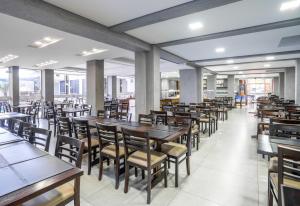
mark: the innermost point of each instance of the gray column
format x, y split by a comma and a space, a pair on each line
147, 82
230, 86
14, 85
112, 86
297, 82
95, 84
276, 85
48, 85
211, 86
289, 87
191, 85
281, 83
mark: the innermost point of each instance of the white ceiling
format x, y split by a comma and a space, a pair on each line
17, 34
247, 44
237, 15
114, 11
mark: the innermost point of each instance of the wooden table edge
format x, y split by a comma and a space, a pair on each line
22, 195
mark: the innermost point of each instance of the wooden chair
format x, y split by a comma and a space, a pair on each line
110, 148
160, 117
176, 151
124, 116
102, 114
288, 173
40, 138
64, 126
52, 118
14, 125
91, 144
67, 192
143, 158
24, 130
146, 119
113, 110
285, 130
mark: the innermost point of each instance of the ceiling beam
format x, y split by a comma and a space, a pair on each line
170, 13
256, 69
248, 62
43, 13
236, 32
247, 56
172, 57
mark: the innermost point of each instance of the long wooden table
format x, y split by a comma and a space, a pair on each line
73, 111
10, 115
159, 133
267, 145
27, 172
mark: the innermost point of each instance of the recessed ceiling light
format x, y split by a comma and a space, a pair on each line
270, 58
47, 63
220, 50
91, 52
44, 42
230, 61
195, 26
290, 5
267, 65
240, 72
235, 67
8, 58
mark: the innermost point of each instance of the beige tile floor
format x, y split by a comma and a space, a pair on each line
226, 171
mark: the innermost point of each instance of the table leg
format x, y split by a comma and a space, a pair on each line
77, 192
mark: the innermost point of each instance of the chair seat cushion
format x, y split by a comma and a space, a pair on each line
94, 142
53, 197
140, 158
173, 149
204, 119
195, 129
110, 150
286, 181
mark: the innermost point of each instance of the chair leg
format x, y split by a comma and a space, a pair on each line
176, 172
143, 174
198, 141
149, 187
89, 161
126, 177
169, 163
117, 171
165, 174
100, 168
135, 172
188, 165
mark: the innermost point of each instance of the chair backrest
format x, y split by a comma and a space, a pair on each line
14, 125
159, 117
136, 141
146, 119
123, 116
284, 130
24, 130
183, 114
81, 129
64, 126
107, 135
102, 114
40, 137
288, 165
69, 148
183, 121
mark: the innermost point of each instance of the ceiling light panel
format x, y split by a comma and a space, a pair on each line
268, 58
44, 42
290, 5
47, 63
220, 49
8, 58
195, 26
230, 61
91, 52
267, 65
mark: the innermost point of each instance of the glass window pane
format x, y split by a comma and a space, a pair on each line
30, 84
4, 84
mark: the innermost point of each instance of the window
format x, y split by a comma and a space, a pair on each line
30, 84
259, 86
4, 85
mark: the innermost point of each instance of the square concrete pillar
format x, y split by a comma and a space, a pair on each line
95, 84
147, 81
191, 85
211, 86
112, 86
48, 85
230, 86
297, 81
14, 85
276, 85
281, 84
289, 87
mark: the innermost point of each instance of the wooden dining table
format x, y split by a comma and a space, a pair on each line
290, 196
27, 172
73, 111
267, 145
10, 115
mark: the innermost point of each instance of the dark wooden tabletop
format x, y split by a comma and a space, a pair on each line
267, 145
156, 132
290, 196
7, 137
27, 172
23, 106
9, 115
74, 110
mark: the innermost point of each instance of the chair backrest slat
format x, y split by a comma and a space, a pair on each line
41, 137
